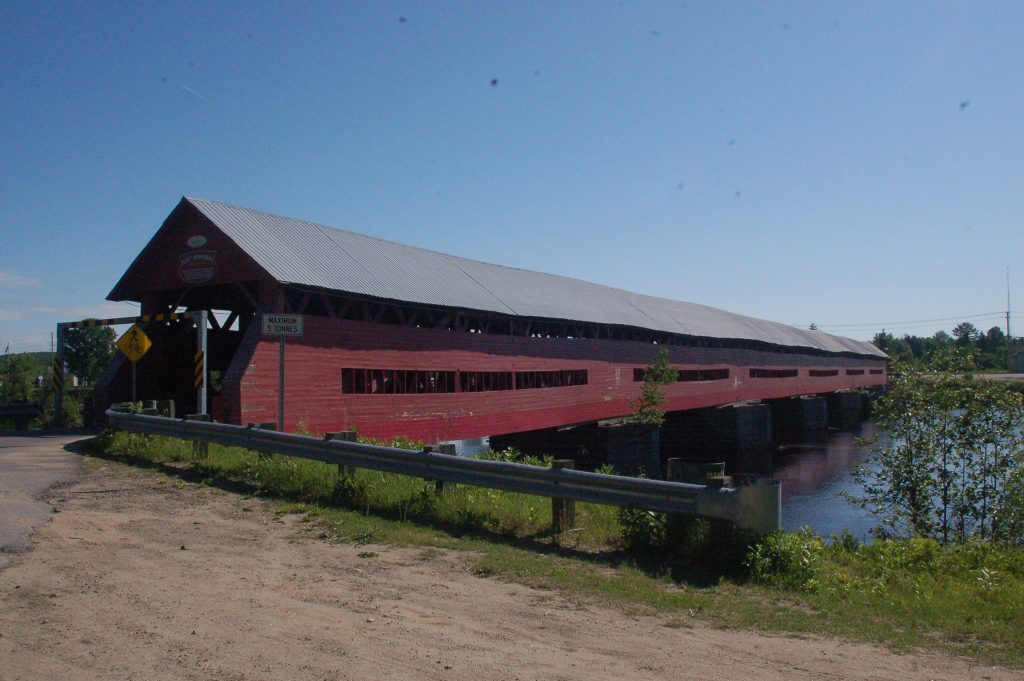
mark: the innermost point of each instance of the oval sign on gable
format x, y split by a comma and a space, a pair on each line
196, 241
197, 267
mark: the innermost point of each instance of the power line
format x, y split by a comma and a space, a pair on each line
1000, 313
909, 323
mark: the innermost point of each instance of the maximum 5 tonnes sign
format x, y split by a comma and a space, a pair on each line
282, 324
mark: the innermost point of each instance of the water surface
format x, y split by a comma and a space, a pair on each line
812, 476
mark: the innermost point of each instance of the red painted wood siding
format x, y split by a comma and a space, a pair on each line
314, 363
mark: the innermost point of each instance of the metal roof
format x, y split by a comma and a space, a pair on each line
305, 253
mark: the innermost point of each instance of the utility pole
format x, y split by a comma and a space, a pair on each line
1009, 365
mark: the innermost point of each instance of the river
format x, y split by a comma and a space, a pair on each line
812, 476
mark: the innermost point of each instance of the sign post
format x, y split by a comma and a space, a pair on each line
134, 344
282, 326
58, 380
200, 364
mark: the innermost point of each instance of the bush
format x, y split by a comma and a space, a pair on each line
788, 559
642, 530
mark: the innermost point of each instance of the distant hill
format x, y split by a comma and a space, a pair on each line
43, 359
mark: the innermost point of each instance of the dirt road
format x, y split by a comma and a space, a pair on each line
141, 577
30, 463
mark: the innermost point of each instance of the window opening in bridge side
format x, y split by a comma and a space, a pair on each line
484, 381
526, 380
877, 372
395, 381
821, 373
773, 373
689, 375
854, 372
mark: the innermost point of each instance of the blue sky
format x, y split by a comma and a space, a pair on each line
851, 164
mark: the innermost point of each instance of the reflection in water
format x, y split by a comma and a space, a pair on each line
813, 474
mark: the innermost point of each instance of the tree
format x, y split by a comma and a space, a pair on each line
896, 348
965, 334
20, 382
882, 340
994, 340
953, 458
87, 351
916, 345
659, 373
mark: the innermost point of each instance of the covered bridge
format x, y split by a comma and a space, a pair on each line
400, 340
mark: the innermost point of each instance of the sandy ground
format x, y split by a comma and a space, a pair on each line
137, 577
30, 464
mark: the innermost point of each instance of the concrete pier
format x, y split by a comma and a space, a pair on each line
632, 449
796, 418
741, 426
845, 409
740, 434
734, 426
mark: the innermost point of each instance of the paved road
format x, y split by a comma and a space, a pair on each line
1010, 378
30, 465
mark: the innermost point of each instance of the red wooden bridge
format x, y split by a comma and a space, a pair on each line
403, 341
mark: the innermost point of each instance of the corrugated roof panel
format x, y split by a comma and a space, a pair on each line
306, 253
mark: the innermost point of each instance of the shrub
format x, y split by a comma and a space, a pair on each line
641, 529
788, 559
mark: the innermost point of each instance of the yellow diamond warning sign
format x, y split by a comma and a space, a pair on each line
134, 343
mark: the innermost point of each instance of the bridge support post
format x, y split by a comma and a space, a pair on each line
742, 426
745, 431
798, 417
563, 511
845, 409
633, 449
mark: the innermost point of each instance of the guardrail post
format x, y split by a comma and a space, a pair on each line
201, 448
676, 524
263, 425
563, 511
344, 436
439, 485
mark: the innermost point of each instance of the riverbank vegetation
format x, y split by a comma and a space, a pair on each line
908, 593
988, 349
951, 467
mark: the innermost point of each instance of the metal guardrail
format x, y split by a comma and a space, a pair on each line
21, 408
755, 507
21, 413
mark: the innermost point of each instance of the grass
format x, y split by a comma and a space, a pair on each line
904, 595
